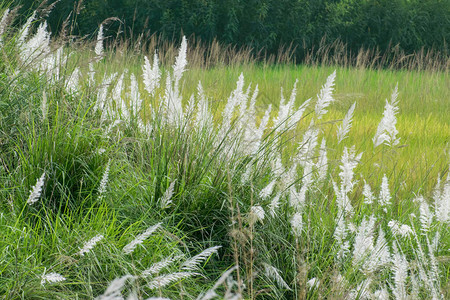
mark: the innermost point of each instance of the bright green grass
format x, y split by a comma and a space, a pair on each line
423, 120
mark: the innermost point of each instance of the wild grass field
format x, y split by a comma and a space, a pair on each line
125, 178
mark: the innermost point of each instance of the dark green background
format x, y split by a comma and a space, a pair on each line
267, 24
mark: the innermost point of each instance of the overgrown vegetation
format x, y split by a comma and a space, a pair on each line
116, 182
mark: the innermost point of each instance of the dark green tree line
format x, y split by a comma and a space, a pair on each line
268, 24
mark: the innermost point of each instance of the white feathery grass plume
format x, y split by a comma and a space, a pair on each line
52, 278
385, 194
274, 205
257, 213
325, 96
73, 82
35, 192
425, 278
363, 245
297, 115
157, 267
252, 136
294, 197
400, 267
114, 290
166, 198
37, 46
89, 245
51, 64
144, 128
151, 74
306, 183
3, 25
434, 273
398, 228
267, 191
291, 102
102, 94
246, 175
322, 162
210, 294
382, 294
164, 280
340, 235
26, 29
129, 248
192, 264
91, 75
238, 95
297, 224
286, 118
125, 114
308, 145
233, 100
344, 128
135, 96
289, 176
277, 166
189, 110
437, 194
121, 107
274, 274
313, 283
380, 255
244, 114
342, 199
369, 197
349, 162
352, 227
117, 90
283, 114
204, 119
442, 201
386, 131
99, 45
3, 21
433, 247
104, 180
426, 216
435, 242
180, 62
172, 103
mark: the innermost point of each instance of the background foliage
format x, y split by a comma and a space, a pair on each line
269, 24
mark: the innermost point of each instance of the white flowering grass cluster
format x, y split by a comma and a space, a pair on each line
376, 252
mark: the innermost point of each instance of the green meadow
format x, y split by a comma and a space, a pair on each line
423, 118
